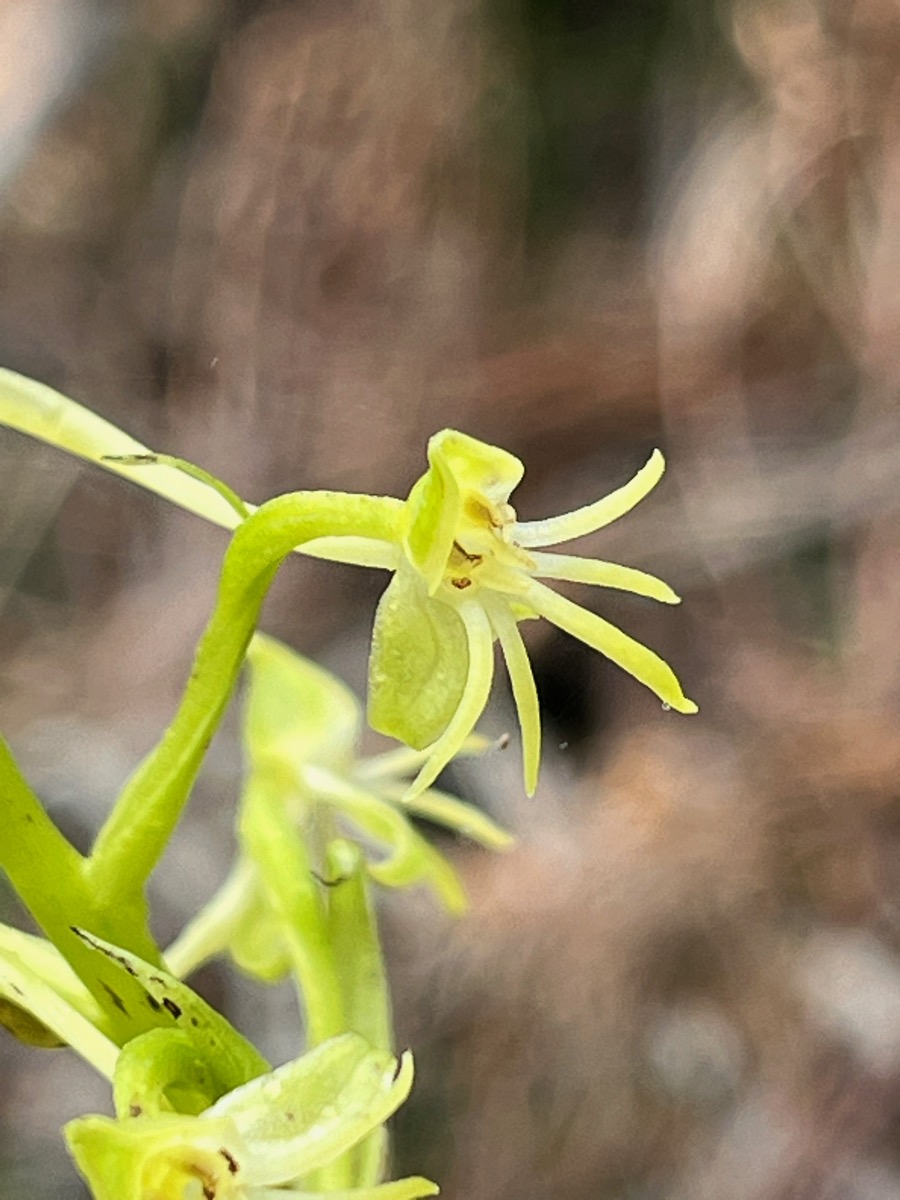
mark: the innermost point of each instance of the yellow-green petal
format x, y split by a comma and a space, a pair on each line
143, 1157
306, 1113
480, 641
603, 574
238, 919
29, 982
356, 551
465, 819
433, 513
296, 711
410, 859
648, 668
414, 1187
553, 530
463, 471
476, 466
418, 664
524, 691
401, 761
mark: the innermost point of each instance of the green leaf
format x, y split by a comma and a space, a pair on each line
43, 413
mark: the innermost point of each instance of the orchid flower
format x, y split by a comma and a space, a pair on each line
306, 790
279, 1135
466, 572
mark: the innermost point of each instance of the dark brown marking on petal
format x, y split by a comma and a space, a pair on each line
461, 583
472, 558
172, 1007
230, 1160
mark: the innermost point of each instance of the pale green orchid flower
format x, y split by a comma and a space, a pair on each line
466, 571
277, 1136
302, 728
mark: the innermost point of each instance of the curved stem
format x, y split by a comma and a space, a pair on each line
135, 835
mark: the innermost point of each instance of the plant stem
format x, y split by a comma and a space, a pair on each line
135, 835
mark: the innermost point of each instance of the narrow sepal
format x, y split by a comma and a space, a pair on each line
553, 530
603, 574
648, 668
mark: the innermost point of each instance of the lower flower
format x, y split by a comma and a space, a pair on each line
276, 1136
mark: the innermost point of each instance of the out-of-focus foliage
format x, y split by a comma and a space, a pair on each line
289, 240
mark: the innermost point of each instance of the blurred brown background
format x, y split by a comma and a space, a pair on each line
290, 240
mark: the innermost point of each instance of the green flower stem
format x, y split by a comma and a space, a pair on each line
353, 935
356, 946
138, 829
288, 876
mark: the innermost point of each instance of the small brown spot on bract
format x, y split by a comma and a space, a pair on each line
461, 583
172, 1007
230, 1160
115, 997
134, 1110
